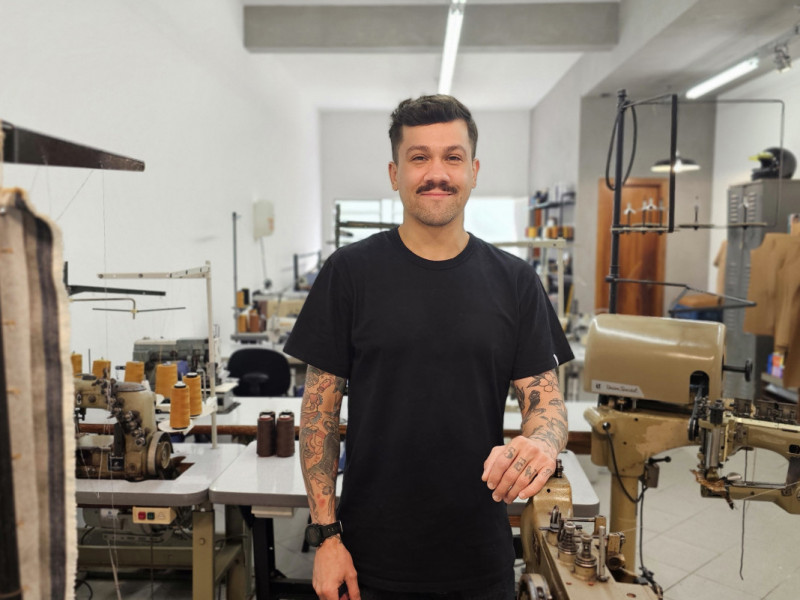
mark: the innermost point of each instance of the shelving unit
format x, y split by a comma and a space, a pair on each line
552, 219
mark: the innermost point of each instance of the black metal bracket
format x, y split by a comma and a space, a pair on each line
31, 148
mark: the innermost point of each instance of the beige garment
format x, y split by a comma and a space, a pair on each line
766, 262
36, 365
787, 328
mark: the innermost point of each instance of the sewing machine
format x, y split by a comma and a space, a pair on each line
565, 559
659, 383
137, 449
152, 352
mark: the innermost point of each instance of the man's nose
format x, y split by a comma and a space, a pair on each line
437, 171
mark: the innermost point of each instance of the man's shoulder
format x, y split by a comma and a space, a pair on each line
367, 248
504, 258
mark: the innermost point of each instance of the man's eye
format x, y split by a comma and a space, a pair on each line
417, 158
454, 158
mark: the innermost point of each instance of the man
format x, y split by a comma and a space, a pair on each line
428, 325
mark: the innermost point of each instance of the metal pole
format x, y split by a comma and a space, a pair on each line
613, 273
673, 150
235, 277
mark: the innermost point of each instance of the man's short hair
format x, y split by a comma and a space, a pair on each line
427, 110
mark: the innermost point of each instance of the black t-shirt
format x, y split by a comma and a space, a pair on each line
429, 349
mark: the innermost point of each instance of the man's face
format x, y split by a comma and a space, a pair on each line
434, 173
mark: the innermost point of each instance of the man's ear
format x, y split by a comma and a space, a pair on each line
476, 164
393, 175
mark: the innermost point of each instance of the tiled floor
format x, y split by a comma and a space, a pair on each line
692, 544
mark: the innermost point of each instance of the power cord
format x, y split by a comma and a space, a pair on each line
620, 114
647, 574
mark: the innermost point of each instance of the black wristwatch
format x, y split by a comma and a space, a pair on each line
316, 534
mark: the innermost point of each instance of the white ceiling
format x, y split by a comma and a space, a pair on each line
708, 36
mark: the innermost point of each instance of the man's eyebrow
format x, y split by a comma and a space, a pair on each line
423, 148
417, 148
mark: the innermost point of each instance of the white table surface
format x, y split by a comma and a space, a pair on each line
278, 482
191, 486
249, 408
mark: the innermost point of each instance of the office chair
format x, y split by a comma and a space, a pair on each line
261, 372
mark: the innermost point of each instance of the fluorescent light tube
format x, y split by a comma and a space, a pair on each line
736, 71
452, 37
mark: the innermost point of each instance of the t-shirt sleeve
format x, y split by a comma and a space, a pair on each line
541, 344
321, 335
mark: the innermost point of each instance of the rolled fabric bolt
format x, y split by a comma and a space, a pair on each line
179, 406
266, 434
192, 381
285, 434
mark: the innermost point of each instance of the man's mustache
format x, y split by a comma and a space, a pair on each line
434, 185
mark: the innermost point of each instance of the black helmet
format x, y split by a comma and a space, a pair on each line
775, 163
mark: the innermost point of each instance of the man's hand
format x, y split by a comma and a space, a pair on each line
518, 469
333, 566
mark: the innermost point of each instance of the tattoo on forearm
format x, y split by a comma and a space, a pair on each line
547, 423
319, 437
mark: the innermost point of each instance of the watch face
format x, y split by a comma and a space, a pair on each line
313, 535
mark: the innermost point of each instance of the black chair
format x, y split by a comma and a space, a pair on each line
261, 372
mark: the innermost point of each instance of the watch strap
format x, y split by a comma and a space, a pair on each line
330, 530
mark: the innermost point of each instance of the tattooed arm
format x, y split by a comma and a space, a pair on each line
319, 459
523, 466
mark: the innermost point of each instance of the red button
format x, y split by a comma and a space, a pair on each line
142, 515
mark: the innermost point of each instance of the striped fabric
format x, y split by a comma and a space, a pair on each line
37, 399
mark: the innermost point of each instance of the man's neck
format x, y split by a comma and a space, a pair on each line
434, 243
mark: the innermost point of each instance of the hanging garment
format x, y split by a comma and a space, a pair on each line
765, 263
37, 399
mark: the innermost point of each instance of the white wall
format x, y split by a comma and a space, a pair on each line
356, 152
171, 84
744, 129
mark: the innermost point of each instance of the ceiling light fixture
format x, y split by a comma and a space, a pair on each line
682, 165
782, 59
452, 36
736, 71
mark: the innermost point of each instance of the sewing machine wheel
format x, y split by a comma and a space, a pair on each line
533, 586
158, 454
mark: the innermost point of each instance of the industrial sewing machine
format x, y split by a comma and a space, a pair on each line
137, 449
659, 383
153, 352
564, 559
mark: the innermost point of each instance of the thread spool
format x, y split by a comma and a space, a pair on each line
179, 406
166, 378
266, 434
254, 324
101, 369
134, 371
192, 381
77, 363
285, 434
242, 298
241, 323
